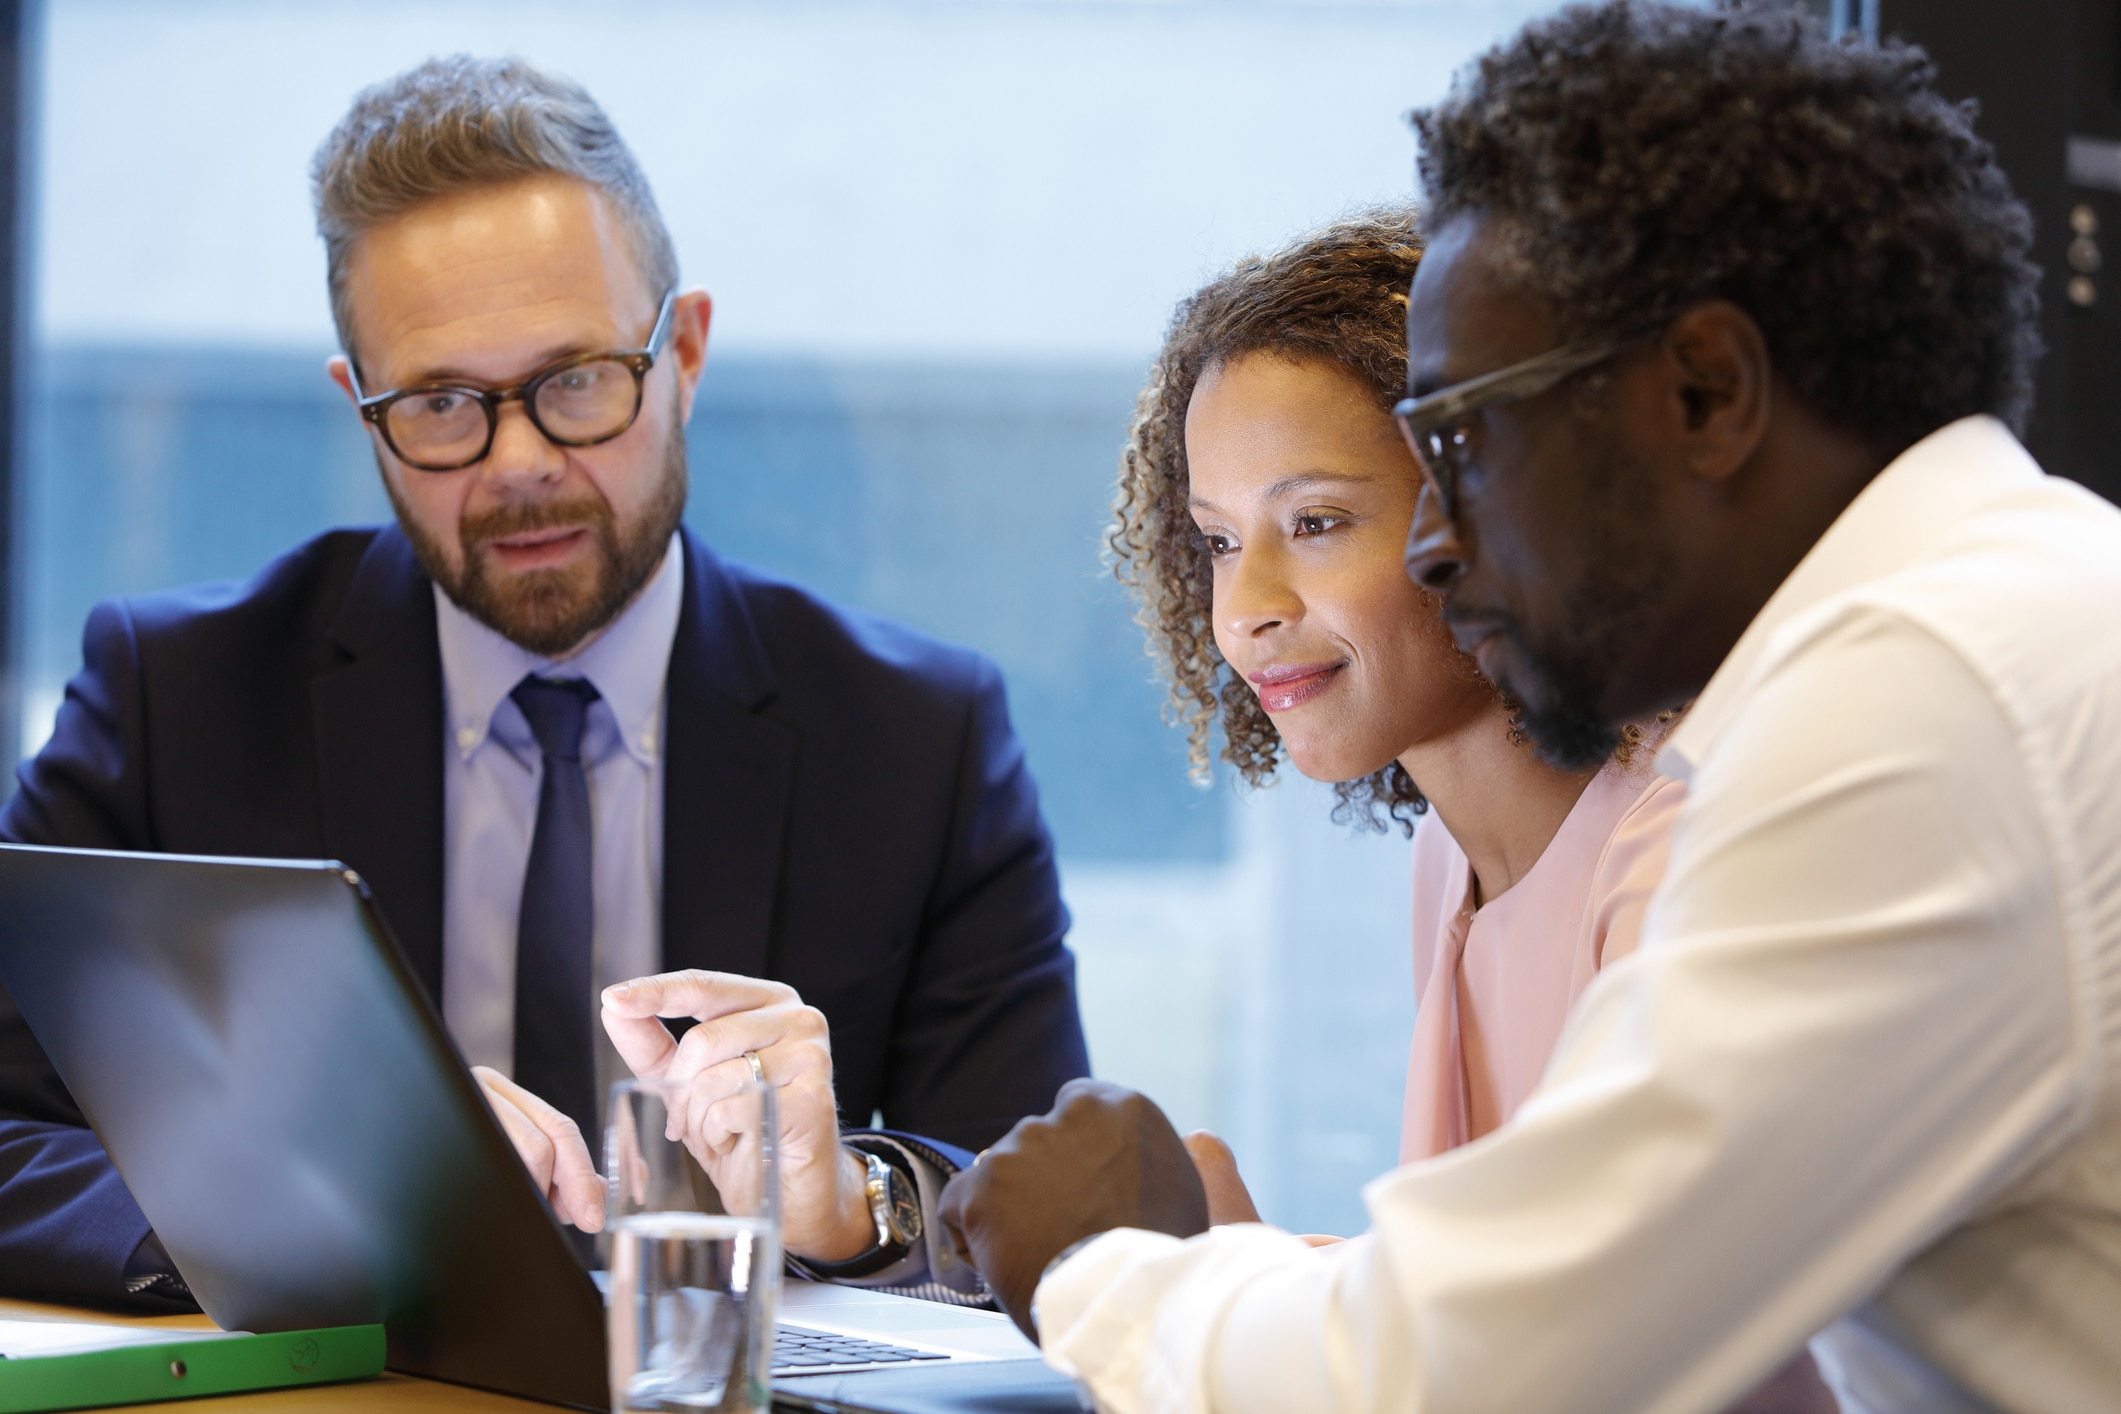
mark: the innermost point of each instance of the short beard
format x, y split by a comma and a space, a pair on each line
1612, 612
1566, 731
549, 612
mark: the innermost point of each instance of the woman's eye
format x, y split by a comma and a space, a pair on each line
1316, 524
1213, 544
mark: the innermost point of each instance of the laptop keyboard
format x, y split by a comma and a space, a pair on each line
799, 1350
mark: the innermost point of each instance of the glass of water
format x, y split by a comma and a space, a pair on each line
695, 1264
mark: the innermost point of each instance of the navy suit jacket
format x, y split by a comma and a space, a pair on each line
846, 809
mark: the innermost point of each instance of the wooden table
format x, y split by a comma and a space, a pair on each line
389, 1393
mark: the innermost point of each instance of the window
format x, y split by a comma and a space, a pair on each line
943, 237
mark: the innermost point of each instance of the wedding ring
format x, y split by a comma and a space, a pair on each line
758, 1072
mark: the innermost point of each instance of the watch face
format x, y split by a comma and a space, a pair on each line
905, 1208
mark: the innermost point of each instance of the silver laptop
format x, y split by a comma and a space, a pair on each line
282, 1098
844, 1349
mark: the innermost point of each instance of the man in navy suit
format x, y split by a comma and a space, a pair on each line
564, 743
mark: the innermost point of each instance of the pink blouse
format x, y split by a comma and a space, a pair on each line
1493, 986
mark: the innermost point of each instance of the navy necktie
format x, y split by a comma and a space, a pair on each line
555, 991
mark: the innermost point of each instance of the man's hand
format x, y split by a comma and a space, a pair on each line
550, 1145
1102, 1157
824, 1199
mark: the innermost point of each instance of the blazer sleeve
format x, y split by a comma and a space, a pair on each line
68, 1225
987, 1030
86, 788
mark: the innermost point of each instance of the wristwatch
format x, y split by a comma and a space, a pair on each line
895, 1204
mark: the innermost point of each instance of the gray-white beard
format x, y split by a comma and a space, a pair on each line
548, 612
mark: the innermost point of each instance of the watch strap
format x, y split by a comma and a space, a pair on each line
888, 1250
931, 1269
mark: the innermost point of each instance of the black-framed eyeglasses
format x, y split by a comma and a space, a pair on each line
576, 402
1439, 426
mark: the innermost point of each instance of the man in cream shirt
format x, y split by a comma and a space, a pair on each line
1717, 355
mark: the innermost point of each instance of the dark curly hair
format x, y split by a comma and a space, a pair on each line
1340, 296
1637, 157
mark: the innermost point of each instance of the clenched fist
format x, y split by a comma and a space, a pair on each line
1102, 1157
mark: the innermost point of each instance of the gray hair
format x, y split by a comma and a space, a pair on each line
456, 125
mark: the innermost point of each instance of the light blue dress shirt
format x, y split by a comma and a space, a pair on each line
491, 772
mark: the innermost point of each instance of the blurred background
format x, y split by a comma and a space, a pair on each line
943, 237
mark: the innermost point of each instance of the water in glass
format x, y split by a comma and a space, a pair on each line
695, 1256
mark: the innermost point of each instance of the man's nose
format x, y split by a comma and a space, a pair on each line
520, 452
1437, 554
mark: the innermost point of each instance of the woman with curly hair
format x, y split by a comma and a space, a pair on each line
1263, 507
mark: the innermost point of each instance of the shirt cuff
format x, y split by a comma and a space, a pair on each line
149, 1272
931, 1271
1134, 1314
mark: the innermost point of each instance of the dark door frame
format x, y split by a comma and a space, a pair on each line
17, 113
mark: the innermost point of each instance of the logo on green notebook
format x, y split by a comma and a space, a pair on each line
304, 1355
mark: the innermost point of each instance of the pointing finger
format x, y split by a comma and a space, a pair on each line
570, 1177
531, 1145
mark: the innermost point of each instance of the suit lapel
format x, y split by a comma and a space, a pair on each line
727, 776
378, 718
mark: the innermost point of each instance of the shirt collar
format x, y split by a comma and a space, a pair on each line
1922, 497
627, 664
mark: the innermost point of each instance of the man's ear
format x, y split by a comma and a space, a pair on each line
340, 371
1722, 383
690, 315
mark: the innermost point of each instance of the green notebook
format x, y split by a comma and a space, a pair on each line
64, 1365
